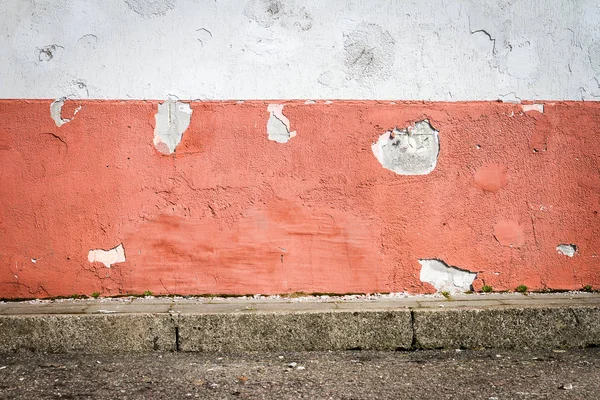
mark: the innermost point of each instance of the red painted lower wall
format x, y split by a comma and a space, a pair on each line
234, 213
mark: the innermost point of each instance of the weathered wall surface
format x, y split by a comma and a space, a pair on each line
301, 49
195, 191
231, 211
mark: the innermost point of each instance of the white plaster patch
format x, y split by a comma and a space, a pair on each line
446, 278
278, 126
56, 112
172, 119
107, 257
410, 151
533, 107
568, 250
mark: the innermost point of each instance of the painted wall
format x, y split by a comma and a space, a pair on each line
309, 49
190, 147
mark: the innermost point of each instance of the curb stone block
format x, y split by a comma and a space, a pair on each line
87, 333
535, 327
233, 333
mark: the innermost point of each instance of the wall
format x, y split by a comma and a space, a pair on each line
276, 147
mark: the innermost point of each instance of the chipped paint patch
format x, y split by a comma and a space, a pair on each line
56, 112
108, 257
410, 151
568, 250
446, 278
278, 126
533, 107
172, 119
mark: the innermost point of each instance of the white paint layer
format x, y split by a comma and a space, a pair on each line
410, 151
107, 257
533, 107
446, 278
278, 126
172, 119
301, 49
56, 112
568, 250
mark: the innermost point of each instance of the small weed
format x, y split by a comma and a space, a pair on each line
521, 289
295, 295
78, 296
147, 293
587, 288
487, 289
96, 295
446, 294
469, 292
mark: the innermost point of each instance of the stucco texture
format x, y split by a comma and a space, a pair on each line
233, 212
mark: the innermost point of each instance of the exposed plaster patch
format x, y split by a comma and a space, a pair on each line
410, 151
533, 107
278, 126
150, 8
309, 102
107, 257
568, 250
172, 119
446, 278
56, 112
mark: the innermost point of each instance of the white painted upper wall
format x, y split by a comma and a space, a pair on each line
304, 49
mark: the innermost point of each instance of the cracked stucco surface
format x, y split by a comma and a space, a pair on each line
269, 49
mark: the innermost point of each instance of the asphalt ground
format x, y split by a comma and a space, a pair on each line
433, 374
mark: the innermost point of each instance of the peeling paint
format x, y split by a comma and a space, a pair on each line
533, 107
172, 119
568, 250
410, 151
107, 257
446, 278
278, 126
56, 112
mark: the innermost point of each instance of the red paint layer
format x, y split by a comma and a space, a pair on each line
232, 212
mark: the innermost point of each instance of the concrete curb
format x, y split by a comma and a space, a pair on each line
246, 325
